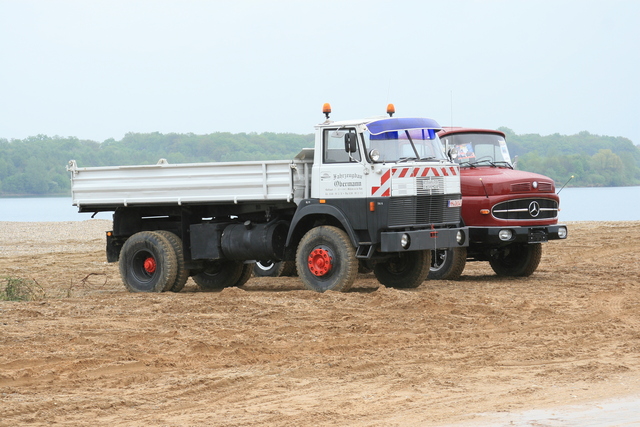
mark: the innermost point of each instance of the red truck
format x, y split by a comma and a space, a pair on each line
510, 213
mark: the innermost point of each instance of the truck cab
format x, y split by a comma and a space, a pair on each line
510, 213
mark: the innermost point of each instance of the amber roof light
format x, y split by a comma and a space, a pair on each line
326, 109
391, 110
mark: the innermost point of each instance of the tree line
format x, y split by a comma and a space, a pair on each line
593, 160
37, 165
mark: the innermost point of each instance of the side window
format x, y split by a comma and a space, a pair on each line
334, 147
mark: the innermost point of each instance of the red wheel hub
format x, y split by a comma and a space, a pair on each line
319, 262
150, 265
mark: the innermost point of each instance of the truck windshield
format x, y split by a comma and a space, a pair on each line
406, 145
478, 149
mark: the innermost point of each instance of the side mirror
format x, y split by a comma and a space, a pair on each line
453, 154
350, 142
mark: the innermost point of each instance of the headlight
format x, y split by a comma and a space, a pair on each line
505, 235
562, 233
405, 241
460, 237
374, 155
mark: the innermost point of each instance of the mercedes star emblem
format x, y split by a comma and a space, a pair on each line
534, 209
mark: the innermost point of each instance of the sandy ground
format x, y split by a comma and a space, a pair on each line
271, 354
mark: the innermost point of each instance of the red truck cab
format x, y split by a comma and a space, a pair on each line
510, 213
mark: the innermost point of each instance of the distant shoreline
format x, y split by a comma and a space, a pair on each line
30, 196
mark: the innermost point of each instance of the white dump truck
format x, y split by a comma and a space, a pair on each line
375, 192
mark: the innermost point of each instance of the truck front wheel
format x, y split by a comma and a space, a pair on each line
517, 260
148, 263
405, 270
447, 264
219, 274
326, 260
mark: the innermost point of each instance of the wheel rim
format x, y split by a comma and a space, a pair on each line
399, 265
320, 261
438, 260
513, 257
213, 270
150, 265
144, 266
265, 265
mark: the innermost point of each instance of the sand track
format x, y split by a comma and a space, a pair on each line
273, 354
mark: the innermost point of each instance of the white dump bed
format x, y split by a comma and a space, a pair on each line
165, 183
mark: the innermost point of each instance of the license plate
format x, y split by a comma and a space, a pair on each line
538, 237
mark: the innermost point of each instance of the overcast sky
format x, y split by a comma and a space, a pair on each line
99, 69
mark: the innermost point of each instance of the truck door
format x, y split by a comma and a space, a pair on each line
341, 171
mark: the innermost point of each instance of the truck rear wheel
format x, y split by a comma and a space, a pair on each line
447, 264
517, 260
405, 270
183, 273
148, 263
274, 269
219, 274
326, 260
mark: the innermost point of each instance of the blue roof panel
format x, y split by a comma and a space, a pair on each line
401, 123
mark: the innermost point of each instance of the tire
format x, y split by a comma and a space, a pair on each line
518, 260
274, 269
447, 264
183, 273
365, 266
245, 275
405, 270
326, 260
289, 269
219, 274
148, 263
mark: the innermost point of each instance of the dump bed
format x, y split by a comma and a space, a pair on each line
105, 188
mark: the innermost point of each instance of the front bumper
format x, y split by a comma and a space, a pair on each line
540, 234
420, 240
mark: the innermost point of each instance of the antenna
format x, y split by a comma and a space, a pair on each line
484, 188
451, 107
388, 90
565, 184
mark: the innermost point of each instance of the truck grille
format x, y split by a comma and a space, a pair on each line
526, 209
423, 210
430, 185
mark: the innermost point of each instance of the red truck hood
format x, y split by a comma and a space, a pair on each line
480, 181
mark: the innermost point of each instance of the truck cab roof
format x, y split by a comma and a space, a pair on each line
379, 125
448, 130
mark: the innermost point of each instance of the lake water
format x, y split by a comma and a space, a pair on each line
600, 204
576, 204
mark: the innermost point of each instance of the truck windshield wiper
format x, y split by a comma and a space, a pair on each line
503, 163
483, 161
405, 159
493, 163
427, 158
415, 150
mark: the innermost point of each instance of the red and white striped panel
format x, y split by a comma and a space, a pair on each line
384, 190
